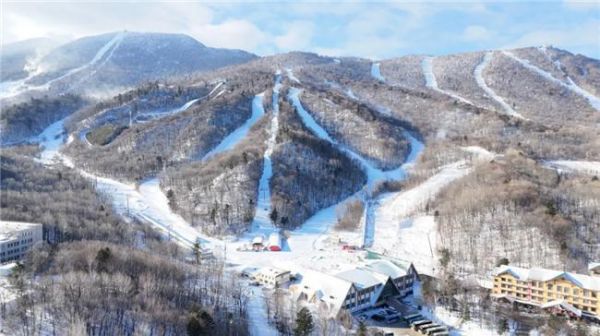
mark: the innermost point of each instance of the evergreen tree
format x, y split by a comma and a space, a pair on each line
362, 329
304, 323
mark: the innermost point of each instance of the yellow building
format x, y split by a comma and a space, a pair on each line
577, 294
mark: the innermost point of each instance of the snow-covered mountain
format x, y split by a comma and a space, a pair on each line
442, 155
107, 63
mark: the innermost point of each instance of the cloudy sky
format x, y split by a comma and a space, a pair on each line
368, 29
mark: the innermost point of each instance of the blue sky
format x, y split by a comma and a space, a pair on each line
367, 29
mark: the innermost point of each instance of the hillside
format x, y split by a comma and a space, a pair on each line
452, 162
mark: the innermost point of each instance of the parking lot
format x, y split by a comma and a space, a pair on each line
399, 319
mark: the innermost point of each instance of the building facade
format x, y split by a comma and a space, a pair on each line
16, 238
272, 277
355, 289
576, 294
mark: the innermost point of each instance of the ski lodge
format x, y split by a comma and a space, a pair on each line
576, 295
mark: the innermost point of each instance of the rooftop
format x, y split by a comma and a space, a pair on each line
9, 228
542, 274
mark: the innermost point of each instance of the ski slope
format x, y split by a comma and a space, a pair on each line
376, 72
374, 174
11, 89
240, 133
481, 82
261, 224
110, 45
291, 76
398, 234
431, 81
51, 140
148, 203
570, 85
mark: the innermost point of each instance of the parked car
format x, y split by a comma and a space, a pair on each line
416, 324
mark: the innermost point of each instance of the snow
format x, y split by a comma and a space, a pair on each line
51, 140
593, 100
290, 74
376, 73
110, 45
431, 82
481, 82
147, 203
412, 239
261, 223
480, 152
239, 134
257, 314
587, 167
10, 89
374, 174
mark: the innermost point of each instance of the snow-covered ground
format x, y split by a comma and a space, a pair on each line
257, 314
442, 316
481, 82
11, 89
376, 72
262, 222
586, 167
431, 82
291, 76
480, 152
400, 235
374, 174
570, 85
51, 139
240, 133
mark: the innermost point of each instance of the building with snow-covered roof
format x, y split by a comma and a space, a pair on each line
357, 288
327, 292
403, 275
575, 294
272, 277
16, 238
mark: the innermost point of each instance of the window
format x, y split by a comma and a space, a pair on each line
575, 291
558, 288
566, 289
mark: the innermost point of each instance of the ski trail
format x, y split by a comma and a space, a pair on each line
374, 175
431, 82
481, 82
240, 133
397, 233
14, 88
376, 72
112, 48
148, 203
97, 58
262, 222
290, 74
593, 100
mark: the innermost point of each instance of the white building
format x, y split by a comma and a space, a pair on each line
16, 238
272, 277
354, 289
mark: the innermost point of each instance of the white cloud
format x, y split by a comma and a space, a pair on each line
237, 34
476, 33
582, 38
298, 36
